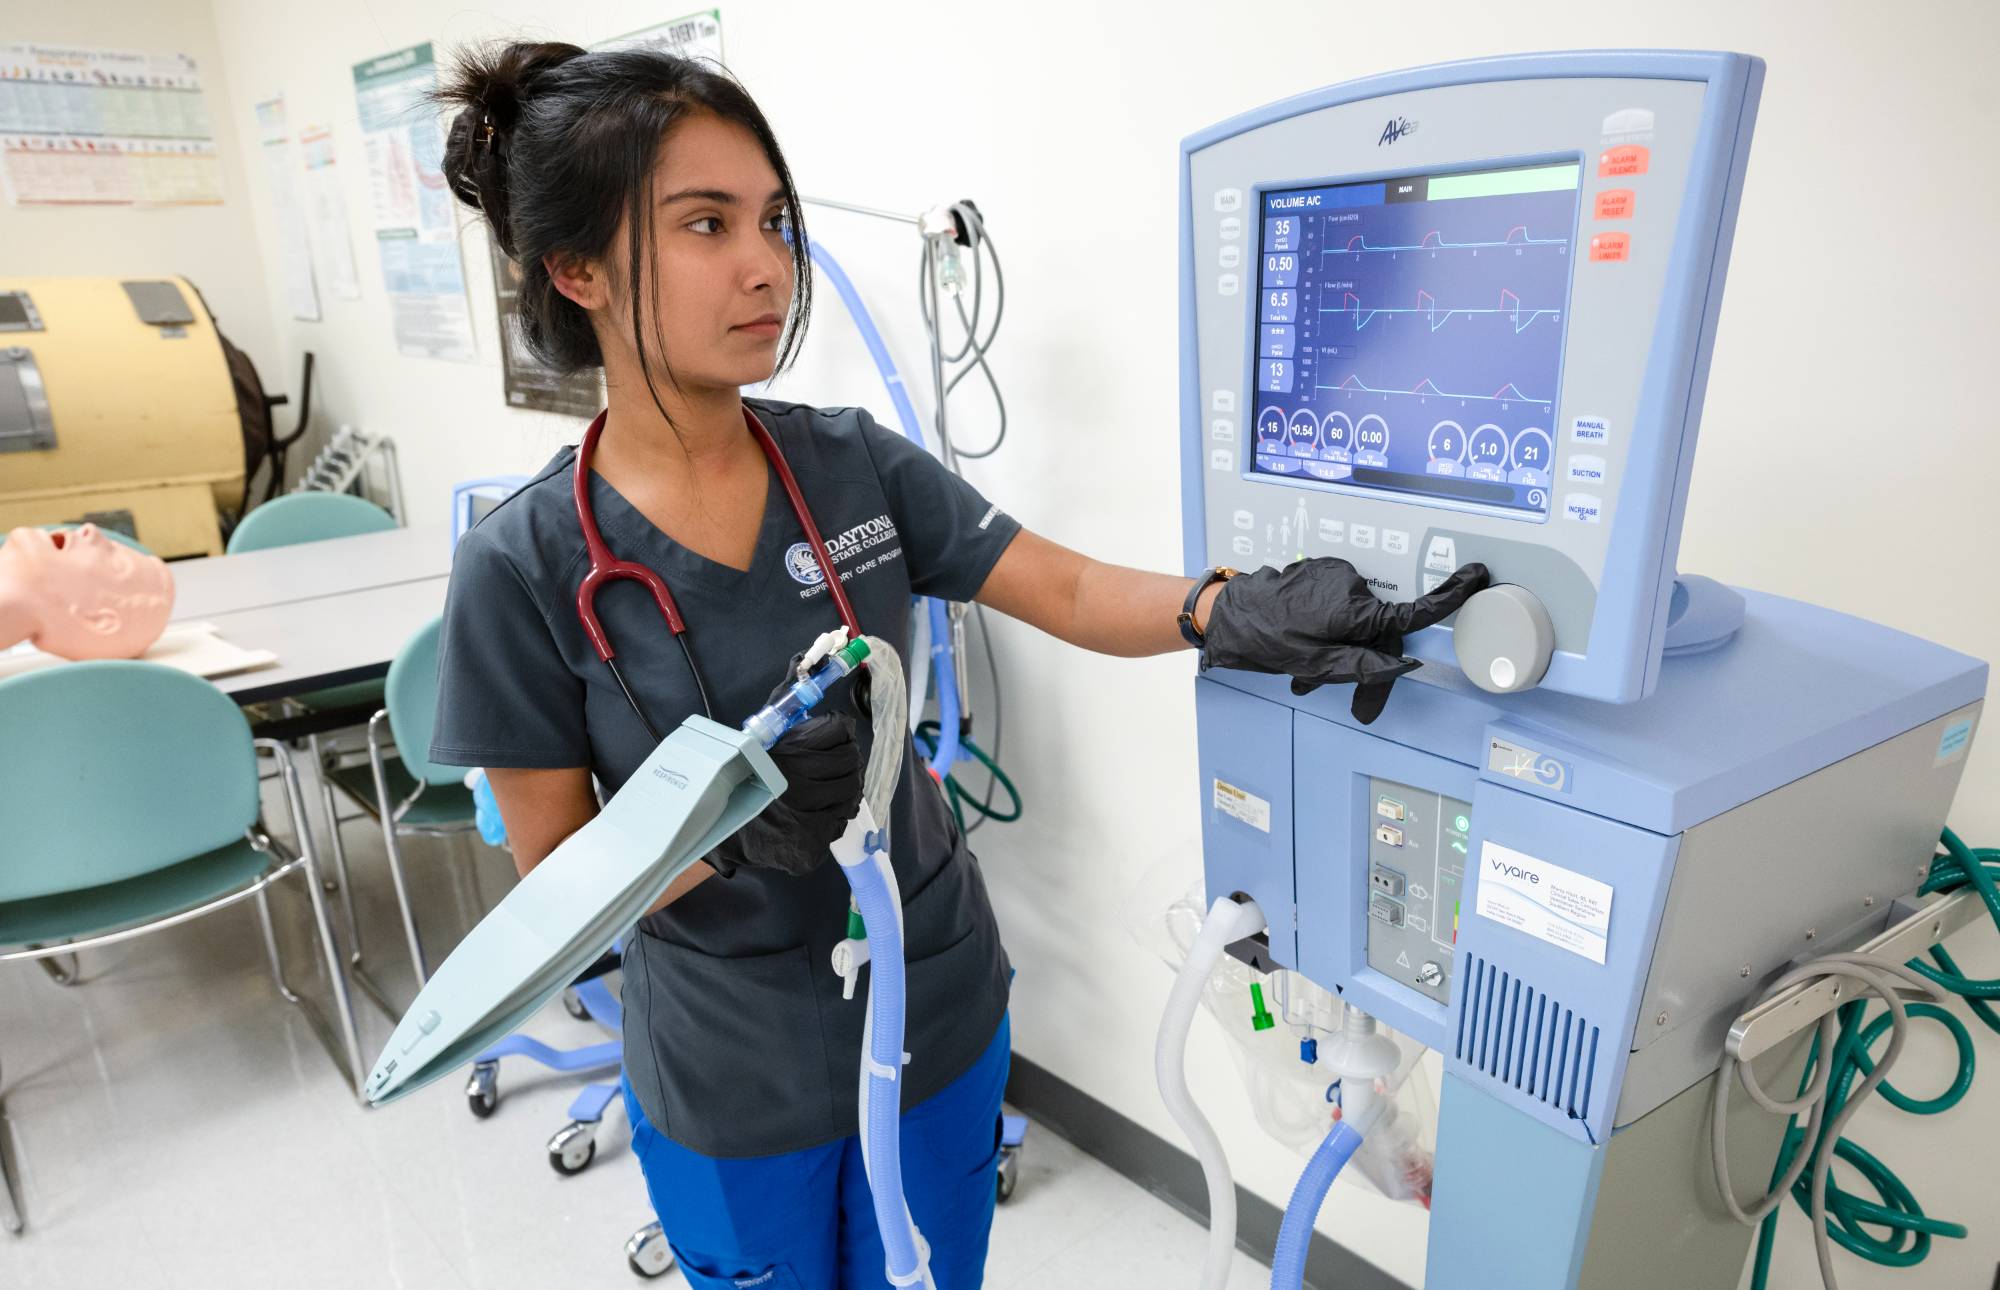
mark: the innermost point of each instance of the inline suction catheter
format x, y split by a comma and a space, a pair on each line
701, 784
876, 938
1360, 1056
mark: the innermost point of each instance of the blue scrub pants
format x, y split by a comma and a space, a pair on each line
805, 1220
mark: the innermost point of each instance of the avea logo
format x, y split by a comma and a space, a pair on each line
1398, 127
1515, 871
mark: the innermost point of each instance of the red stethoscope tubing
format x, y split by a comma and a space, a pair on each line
605, 567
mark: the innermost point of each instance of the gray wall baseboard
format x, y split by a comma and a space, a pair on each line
1174, 1175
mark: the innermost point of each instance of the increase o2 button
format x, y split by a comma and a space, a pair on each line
1610, 247
1583, 508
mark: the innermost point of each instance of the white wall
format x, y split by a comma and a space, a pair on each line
214, 247
1844, 458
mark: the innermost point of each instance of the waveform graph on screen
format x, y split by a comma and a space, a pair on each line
1429, 309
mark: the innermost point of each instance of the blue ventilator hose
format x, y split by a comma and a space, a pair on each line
949, 750
1288, 1261
862, 852
947, 753
875, 897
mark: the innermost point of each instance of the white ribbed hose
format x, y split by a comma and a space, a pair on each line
1227, 922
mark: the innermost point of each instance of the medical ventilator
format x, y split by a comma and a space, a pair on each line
1463, 314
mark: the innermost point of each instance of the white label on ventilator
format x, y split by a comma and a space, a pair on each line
1550, 903
1241, 805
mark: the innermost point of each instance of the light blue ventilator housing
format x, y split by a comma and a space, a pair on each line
1569, 853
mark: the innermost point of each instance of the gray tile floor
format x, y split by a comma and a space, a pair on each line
175, 1124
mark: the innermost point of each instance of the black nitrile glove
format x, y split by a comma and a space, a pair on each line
1318, 622
821, 761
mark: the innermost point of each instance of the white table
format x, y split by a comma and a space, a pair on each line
334, 612
284, 575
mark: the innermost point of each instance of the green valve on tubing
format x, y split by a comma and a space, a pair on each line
1260, 1016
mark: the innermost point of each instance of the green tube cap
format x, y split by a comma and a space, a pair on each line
1260, 1016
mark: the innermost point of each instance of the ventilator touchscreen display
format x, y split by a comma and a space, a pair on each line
1409, 333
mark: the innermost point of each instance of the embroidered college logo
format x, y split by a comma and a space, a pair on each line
799, 562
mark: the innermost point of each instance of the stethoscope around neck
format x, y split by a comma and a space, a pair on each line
605, 567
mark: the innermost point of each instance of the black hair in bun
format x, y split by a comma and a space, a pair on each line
489, 86
554, 145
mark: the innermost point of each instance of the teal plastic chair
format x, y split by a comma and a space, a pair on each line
402, 790
307, 517
129, 803
315, 517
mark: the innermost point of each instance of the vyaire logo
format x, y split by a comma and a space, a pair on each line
1517, 872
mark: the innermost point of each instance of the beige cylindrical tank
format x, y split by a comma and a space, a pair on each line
143, 413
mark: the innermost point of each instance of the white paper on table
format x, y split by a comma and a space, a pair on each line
195, 647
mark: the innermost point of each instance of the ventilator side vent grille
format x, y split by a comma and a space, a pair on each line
1518, 1035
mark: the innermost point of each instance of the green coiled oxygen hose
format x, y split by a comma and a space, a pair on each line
1905, 1230
961, 797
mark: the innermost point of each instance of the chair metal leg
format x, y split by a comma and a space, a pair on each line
10, 1197
403, 902
271, 946
386, 803
58, 973
333, 830
465, 883
349, 1060
471, 849
343, 881
342, 1003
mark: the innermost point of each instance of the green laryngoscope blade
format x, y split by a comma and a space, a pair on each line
700, 785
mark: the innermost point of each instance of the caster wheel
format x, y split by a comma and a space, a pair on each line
1009, 1174
573, 1148
573, 1005
647, 1252
482, 1090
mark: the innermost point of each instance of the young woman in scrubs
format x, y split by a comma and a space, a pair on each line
659, 238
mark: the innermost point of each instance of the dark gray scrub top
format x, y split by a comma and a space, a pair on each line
737, 1041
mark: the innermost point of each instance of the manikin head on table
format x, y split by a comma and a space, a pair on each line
79, 594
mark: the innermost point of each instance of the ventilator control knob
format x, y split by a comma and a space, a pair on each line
1504, 639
